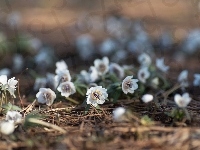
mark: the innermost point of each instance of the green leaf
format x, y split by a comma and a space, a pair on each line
87, 108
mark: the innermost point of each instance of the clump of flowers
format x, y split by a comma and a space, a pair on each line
8, 87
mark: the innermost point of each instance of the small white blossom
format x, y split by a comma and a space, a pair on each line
62, 76
161, 66
129, 85
85, 76
14, 117
61, 65
102, 66
196, 81
46, 95
7, 127
155, 82
51, 82
12, 86
143, 74
18, 63
3, 79
96, 95
5, 71
144, 59
66, 88
183, 78
116, 69
147, 98
119, 114
93, 74
9, 85
182, 101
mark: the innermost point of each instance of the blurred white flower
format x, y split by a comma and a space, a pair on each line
147, 98
51, 82
119, 114
7, 127
85, 76
161, 66
18, 63
12, 86
129, 85
61, 65
102, 66
62, 76
117, 70
85, 46
196, 81
143, 74
183, 79
35, 43
46, 95
119, 55
3, 82
182, 101
5, 71
96, 95
93, 74
13, 117
66, 88
14, 19
39, 83
44, 57
144, 59
107, 46
155, 82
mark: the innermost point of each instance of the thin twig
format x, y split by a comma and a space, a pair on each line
55, 127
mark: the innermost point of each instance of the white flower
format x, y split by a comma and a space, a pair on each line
5, 71
96, 95
155, 82
18, 63
93, 74
7, 127
50, 79
61, 65
3, 79
14, 117
119, 114
39, 83
147, 98
116, 69
66, 88
129, 85
8, 85
143, 74
46, 95
160, 65
196, 81
183, 78
85, 76
182, 101
62, 76
102, 66
12, 86
144, 59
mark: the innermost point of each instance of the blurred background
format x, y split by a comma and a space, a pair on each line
34, 34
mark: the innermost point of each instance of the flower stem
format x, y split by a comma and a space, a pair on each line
187, 114
167, 93
72, 100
